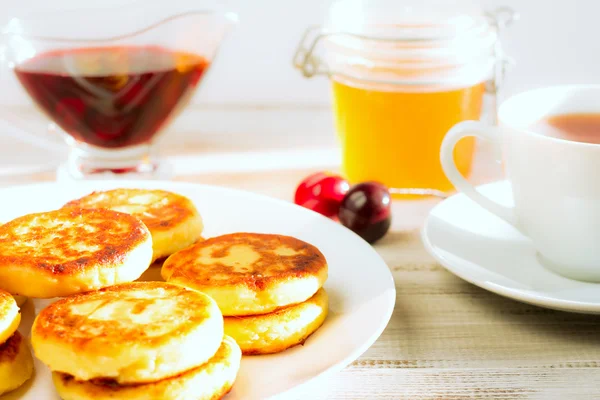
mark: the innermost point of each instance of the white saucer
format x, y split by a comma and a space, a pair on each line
484, 250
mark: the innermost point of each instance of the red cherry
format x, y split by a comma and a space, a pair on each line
366, 210
322, 192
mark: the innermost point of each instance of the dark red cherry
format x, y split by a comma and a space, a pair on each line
322, 192
366, 210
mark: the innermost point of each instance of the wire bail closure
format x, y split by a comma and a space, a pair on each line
305, 59
500, 19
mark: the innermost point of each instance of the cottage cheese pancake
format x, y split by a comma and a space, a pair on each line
130, 333
10, 317
281, 329
172, 219
211, 381
16, 363
249, 273
71, 250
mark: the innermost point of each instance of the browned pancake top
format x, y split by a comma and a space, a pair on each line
10, 349
158, 209
69, 240
251, 259
137, 312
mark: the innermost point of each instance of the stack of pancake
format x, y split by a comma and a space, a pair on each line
16, 362
140, 340
112, 335
78, 249
268, 287
102, 239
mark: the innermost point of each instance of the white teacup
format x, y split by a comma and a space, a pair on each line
555, 182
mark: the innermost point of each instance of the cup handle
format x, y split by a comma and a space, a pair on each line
483, 131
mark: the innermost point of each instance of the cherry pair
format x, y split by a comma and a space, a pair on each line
364, 208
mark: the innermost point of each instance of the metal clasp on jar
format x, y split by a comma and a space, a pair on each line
499, 19
304, 58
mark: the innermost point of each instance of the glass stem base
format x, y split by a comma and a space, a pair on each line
137, 162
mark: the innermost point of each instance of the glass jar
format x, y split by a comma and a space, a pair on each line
402, 75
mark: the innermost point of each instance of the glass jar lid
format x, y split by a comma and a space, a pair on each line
406, 38
404, 20
383, 30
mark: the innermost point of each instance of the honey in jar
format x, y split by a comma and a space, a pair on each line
401, 77
394, 136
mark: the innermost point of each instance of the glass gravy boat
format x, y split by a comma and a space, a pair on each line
111, 81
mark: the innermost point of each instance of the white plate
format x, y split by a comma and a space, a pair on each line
360, 285
484, 250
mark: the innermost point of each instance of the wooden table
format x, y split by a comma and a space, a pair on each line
447, 339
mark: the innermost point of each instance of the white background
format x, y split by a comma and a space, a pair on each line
555, 41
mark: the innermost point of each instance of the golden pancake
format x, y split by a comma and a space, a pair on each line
131, 333
10, 317
16, 363
249, 273
211, 381
281, 329
171, 218
71, 250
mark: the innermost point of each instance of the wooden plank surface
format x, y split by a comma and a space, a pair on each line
447, 339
